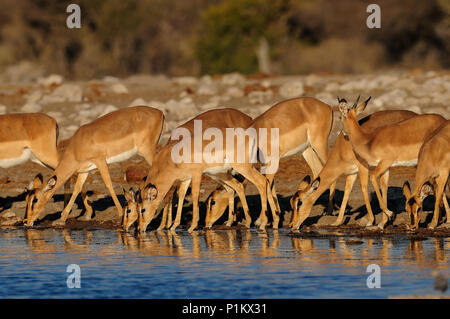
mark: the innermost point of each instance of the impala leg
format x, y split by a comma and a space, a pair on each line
379, 170
76, 190
273, 200
88, 207
313, 161
169, 212
441, 180
239, 188
182, 189
260, 182
195, 189
330, 208
364, 181
104, 172
349, 182
230, 193
163, 223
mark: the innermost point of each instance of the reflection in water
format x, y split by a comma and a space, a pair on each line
214, 263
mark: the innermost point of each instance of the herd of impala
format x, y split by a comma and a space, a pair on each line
368, 148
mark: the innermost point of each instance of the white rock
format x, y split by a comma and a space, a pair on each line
260, 97
110, 79
415, 109
138, 101
3, 109
53, 79
233, 79
108, 109
34, 96
332, 86
209, 105
234, 92
327, 98
186, 80
157, 105
291, 89
58, 116
207, 89
31, 108
64, 93
206, 79
119, 88
393, 98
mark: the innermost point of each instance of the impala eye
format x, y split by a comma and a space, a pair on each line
212, 202
35, 200
128, 211
142, 210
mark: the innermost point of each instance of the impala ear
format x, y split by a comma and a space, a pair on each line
425, 190
304, 184
407, 190
127, 195
50, 184
315, 184
362, 106
132, 195
151, 191
36, 183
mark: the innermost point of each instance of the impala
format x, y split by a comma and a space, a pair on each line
29, 136
433, 165
391, 145
342, 161
222, 198
112, 138
166, 171
304, 126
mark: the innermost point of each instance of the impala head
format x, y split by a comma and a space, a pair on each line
349, 114
414, 202
130, 210
305, 189
216, 204
147, 207
37, 197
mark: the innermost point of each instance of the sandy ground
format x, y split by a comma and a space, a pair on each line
183, 98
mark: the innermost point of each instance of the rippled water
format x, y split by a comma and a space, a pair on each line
213, 264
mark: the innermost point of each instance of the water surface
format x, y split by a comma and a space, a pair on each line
213, 264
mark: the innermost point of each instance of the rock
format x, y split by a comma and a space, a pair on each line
31, 108
209, 105
3, 109
119, 88
135, 173
234, 92
233, 79
53, 79
137, 102
110, 79
186, 80
415, 109
9, 219
393, 98
34, 96
332, 86
58, 116
108, 109
292, 89
260, 97
207, 89
327, 98
23, 72
64, 93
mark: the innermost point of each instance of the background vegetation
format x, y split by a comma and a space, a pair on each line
178, 37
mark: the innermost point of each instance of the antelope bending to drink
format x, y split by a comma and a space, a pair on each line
304, 126
112, 138
387, 146
342, 160
433, 165
166, 171
29, 136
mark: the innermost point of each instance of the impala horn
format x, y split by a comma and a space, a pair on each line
356, 102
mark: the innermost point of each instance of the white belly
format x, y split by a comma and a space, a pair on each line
217, 170
27, 154
405, 163
299, 148
114, 159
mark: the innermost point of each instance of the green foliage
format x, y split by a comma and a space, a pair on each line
231, 31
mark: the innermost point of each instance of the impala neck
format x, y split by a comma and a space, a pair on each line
353, 130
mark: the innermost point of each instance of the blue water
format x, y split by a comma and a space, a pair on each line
213, 264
